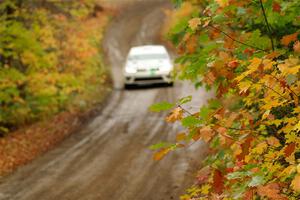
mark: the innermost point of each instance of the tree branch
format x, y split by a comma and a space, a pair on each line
267, 23
249, 45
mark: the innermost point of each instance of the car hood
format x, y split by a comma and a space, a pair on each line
146, 64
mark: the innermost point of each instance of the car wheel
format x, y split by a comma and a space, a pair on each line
127, 86
171, 84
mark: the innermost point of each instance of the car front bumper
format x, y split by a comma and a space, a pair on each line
140, 78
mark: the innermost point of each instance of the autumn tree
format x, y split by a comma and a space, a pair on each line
50, 58
248, 53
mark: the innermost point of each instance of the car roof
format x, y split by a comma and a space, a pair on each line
148, 49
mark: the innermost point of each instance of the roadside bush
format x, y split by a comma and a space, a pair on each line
50, 58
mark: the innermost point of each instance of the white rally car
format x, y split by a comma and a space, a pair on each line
147, 65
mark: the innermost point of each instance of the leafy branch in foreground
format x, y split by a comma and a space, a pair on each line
252, 125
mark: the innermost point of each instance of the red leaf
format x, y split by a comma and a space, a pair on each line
276, 7
245, 148
289, 149
218, 182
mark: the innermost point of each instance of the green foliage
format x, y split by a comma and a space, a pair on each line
161, 106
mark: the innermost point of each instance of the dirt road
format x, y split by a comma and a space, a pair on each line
109, 159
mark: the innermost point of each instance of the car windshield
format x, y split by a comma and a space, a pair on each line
148, 57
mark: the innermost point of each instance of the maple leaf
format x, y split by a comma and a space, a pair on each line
272, 191
295, 184
289, 149
218, 181
175, 115
194, 23
287, 39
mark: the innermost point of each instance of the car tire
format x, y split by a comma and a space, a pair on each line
127, 86
170, 84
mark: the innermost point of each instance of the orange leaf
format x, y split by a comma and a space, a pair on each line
296, 46
272, 191
273, 141
175, 115
160, 154
287, 39
249, 194
206, 133
272, 55
296, 183
194, 23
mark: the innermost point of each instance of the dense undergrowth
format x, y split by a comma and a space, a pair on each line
50, 59
248, 53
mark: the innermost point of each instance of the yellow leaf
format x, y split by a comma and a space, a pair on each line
260, 148
223, 3
244, 86
205, 189
297, 126
287, 171
296, 183
291, 137
266, 114
175, 115
180, 137
255, 63
194, 23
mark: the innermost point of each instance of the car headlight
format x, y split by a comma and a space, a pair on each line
130, 70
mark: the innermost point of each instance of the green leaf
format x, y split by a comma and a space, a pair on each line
161, 106
177, 3
190, 121
238, 174
185, 100
214, 104
159, 146
204, 112
291, 78
256, 181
